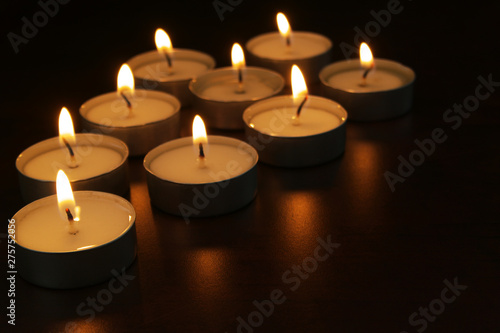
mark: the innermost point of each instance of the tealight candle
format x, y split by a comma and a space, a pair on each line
371, 89
223, 94
298, 130
92, 161
279, 51
141, 118
201, 176
70, 241
170, 69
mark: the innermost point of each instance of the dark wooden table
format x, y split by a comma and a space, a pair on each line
396, 255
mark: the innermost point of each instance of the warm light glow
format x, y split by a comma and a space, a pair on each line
125, 80
85, 247
283, 25
209, 264
163, 43
299, 87
237, 56
66, 129
65, 198
365, 56
199, 131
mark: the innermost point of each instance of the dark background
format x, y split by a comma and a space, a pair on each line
396, 248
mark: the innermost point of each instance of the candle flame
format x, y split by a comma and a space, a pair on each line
66, 130
125, 80
237, 56
163, 43
365, 56
283, 25
65, 198
299, 87
199, 131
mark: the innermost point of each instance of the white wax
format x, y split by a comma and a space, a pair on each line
114, 111
101, 221
254, 88
181, 70
280, 122
301, 46
222, 162
376, 80
92, 161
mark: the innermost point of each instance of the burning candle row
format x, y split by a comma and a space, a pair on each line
372, 90
292, 128
200, 176
71, 240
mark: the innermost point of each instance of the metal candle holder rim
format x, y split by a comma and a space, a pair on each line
171, 98
117, 141
324, 74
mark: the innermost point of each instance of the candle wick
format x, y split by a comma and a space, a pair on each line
301, 106
66, 143
129, 105
69, 215
201, 157
367, 71
71, 227
365, 74
240, 82
202, 153
295, 118
287, 39
73, 163
169, 62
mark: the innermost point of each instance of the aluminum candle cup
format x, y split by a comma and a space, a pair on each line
155, 118
308, 50
220, 103
151, 71
178, 186
102, 166
317, 138
388, 91
49, 256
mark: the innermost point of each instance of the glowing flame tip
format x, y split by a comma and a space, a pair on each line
125, 79
365, 56
162, 41
199, 131
66, 129
237, 56
65, 198
283, 25
299, 87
